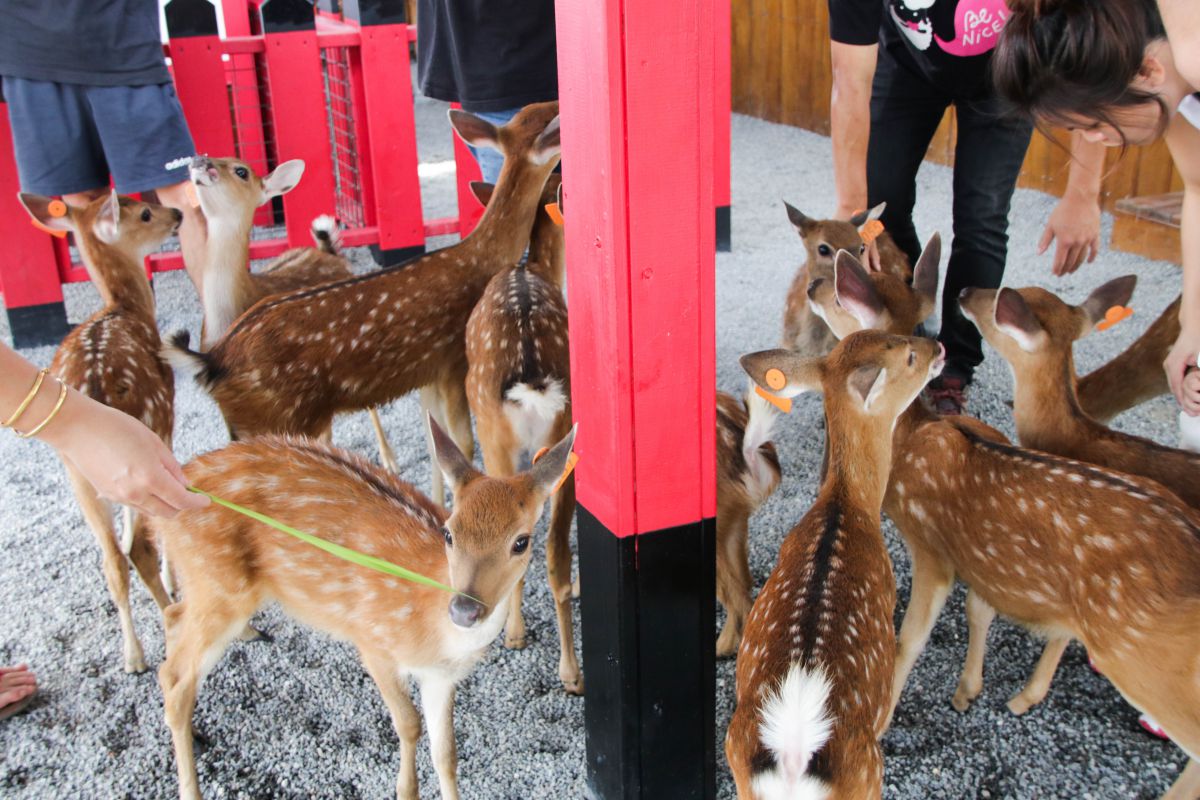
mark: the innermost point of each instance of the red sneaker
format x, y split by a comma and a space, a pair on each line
1151, 727
947, 395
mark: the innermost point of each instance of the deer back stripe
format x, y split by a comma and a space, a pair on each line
814, 593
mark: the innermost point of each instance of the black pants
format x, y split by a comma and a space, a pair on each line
905, 112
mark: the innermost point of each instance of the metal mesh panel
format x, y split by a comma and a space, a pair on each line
343, 144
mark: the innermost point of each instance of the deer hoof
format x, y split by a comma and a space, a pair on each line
574, 686
515, 642
1019, 705
135, 664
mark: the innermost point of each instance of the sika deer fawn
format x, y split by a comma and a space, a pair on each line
823, 238
1065, 548
293, 361
112, 357
519, 390
229, 192
229, 566
815, 667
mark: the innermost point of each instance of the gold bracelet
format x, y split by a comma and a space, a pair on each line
37, 384
62, 396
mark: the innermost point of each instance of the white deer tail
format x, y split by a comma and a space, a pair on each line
795, 725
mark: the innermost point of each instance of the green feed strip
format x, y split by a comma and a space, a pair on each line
353, 556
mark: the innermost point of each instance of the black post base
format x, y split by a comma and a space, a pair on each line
35, 326
724, 230
392, 258
649, 654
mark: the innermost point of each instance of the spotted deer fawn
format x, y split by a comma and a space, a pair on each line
1067, 549
229, 192
814, 670
293, 361
519, 390
112, 357
823, 238
228, 566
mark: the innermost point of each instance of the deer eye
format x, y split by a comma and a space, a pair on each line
448, 537
824, 250
520, 545
241, 172
145, 215
862, 248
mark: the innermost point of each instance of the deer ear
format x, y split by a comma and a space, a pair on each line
863, 217
548, 144
783, 373
797, 218
454, 465
854, 290
1014, 318
107, 225
1114, 293
39, 208
473, 130
283, 179
482, 191
925, 273
866, 384
549, 469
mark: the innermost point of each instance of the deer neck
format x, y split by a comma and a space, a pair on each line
227, 287
119, 277
1045, 407
860, 456
504, 229
546, 251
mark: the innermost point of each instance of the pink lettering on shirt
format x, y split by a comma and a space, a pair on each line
978, 24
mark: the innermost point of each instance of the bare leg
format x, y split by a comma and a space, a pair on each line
1039, 682
407, 722
558, 570
931, 583
1187, 785
98, 514
386, 455
193, 231
979, 619
437, 701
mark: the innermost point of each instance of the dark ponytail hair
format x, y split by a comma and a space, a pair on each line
1061, 60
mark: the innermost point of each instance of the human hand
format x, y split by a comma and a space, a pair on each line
121, 457
1182, 356
870, 256
1075, 224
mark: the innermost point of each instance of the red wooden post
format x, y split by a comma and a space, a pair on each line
298, 110
390, 148
723, 110
28, 268
637, 105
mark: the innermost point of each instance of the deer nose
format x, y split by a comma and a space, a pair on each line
175, 212
465, 611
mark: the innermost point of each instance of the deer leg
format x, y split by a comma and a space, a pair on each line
437, 702
558, 570
431, 404
733, 580
98, 515
458, 412
979, 619
931, 583
394, 688
1038, 684
144, 556
386, 455
196, 637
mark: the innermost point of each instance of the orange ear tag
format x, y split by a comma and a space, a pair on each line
1113, 316
56, 209
870, 230
555, 214
784, 404
572, 460
189, 191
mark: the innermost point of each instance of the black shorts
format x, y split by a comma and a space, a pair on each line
70, 138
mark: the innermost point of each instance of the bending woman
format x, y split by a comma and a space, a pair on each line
1107, 71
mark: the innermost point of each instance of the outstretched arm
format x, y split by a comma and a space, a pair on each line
1184, 141
1075, 221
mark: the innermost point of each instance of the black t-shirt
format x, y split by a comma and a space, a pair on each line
948, 42
489, 55
90, 42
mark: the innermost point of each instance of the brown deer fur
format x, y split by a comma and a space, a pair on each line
823, 238
815, 667
1134, 376
1066, 549
229, 566
112, 357
1035, 331
293, 361
519, 390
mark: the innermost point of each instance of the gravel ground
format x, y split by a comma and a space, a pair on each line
299, 717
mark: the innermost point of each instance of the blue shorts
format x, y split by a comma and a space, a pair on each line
70, 138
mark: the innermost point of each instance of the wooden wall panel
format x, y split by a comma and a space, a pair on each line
781, 73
